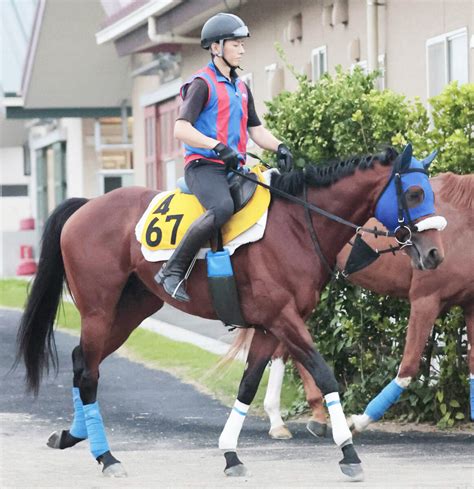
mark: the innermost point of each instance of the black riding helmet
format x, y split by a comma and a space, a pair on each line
221, 27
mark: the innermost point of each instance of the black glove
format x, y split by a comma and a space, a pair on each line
284, 158
228, 156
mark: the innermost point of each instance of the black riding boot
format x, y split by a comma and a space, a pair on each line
171, 275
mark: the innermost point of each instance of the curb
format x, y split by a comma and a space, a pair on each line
181, 335
185, 336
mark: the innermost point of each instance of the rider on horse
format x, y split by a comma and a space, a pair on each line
217, 114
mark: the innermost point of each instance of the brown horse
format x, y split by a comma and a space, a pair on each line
91, 244
430, 294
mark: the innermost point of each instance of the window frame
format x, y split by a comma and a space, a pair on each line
444, 38
381, 85
316, 52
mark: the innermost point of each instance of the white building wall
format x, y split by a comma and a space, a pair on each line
12, 210
75, 168
11, 173
91, 166
404, 28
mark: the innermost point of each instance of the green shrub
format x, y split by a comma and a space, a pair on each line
361, 334
453, 131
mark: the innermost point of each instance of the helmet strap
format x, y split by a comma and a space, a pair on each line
220, 54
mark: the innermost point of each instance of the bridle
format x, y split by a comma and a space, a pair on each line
405, 228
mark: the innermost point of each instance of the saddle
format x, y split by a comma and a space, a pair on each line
222, 284
241, 189
170, 214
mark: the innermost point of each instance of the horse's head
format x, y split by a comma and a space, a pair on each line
406, 208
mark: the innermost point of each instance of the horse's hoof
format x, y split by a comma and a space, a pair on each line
114, 470
54, 439
319, 430
280, 433
352, 472
234, 467
237, 471
62, 439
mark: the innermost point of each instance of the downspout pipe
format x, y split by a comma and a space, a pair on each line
168, 38
372, 35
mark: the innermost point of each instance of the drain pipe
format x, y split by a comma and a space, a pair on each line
372, 35
168, 38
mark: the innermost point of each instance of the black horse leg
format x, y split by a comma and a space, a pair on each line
261, 349
291, 329
78, 430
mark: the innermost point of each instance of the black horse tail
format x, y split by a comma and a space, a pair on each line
35, 338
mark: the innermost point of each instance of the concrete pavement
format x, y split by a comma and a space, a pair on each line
165, 432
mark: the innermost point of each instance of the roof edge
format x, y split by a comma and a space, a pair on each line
131, 21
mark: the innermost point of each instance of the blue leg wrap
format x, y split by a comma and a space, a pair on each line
471, 385
78, 426
95, 430
390, 394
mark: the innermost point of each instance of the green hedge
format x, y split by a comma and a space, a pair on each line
359, 333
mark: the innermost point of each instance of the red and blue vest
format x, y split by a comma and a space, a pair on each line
224, 116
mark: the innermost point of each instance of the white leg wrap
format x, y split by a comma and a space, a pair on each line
271, 403
361, 421
230, 434
403, 382
340, 431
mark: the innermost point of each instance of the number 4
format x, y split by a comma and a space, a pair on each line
164, 207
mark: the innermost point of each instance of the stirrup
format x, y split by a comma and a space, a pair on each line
175, 291
160, 279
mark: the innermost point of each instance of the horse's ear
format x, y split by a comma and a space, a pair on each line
405, 157
427, 161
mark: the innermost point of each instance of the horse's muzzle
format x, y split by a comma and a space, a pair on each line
432, 259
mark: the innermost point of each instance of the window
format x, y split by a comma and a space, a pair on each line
447, 60
13, 190
26, 160
319, 63
113, 142
112, 183
163, 150
381, 67
112, 179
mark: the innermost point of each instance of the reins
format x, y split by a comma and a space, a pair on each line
402, 206
315, 208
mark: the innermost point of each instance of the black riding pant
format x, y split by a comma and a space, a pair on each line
207, 180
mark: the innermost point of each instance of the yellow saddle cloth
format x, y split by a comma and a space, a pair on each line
170, 214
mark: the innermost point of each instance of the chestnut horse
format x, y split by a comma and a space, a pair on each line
91, 245
430, 294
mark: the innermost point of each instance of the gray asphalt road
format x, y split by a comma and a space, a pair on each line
165, 432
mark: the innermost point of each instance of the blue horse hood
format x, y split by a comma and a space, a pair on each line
386, 208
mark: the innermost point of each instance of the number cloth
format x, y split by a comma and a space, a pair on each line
170, 214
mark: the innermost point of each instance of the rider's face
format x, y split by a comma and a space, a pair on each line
233, 51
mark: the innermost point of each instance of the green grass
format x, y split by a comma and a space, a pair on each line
185, 361
13, 292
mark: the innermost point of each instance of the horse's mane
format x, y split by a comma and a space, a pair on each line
458, 190
327, 173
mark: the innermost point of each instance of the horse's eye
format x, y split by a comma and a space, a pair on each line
414, 196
